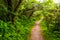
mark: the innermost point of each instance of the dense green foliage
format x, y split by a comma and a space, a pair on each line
18, 32
51, 23
18, 16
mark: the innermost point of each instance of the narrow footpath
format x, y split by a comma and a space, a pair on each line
36, 33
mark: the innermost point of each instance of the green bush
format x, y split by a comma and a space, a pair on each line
20, 31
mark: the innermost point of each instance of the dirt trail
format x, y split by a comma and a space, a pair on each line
36, 33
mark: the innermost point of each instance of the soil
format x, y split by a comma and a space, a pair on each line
36, 33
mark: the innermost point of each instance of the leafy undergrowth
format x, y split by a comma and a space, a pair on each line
48, 35
18, 32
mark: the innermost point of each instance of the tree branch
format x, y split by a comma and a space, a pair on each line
17, 6
9, 4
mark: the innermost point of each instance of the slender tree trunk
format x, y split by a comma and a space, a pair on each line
16, 11
10, 9
9, 6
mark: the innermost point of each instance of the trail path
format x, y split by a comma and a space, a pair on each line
36, 33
